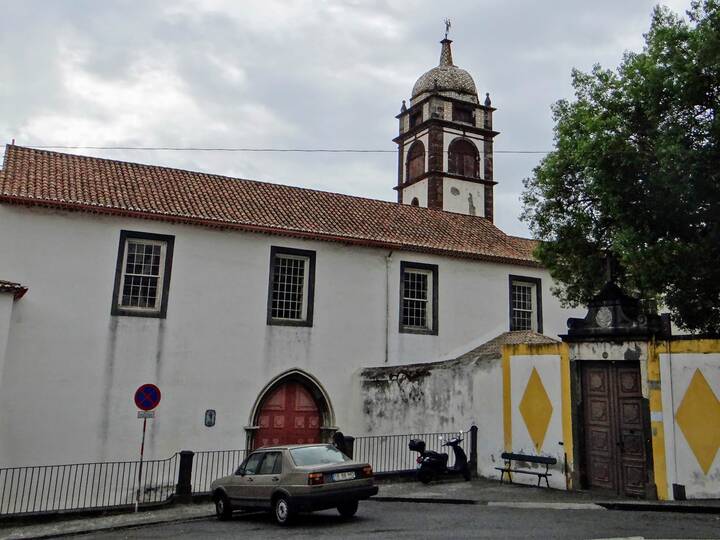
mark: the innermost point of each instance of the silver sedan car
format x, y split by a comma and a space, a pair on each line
295, 478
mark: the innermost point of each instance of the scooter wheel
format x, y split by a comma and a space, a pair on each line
425, 476
466, 475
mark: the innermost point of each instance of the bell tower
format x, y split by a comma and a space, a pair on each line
445, 144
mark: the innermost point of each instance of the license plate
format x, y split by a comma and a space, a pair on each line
343, 476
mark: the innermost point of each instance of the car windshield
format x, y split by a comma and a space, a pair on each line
317, 455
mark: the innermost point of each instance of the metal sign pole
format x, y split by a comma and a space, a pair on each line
142, 451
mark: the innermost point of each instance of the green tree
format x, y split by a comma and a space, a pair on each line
635, 174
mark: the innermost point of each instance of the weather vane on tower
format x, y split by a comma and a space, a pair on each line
448, 24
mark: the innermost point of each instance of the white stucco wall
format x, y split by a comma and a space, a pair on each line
71, 369
683, 467
463, 197
419, 190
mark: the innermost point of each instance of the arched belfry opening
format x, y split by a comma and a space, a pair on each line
415, 161
293, 408
463, 158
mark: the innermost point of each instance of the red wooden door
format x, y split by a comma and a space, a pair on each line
289, 415
615, 433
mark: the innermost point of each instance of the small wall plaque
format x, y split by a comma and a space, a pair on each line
210, 417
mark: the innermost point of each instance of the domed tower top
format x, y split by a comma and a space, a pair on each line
446, 79
445, 142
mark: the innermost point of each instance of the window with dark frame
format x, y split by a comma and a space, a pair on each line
418, 298
291, 288
142, 274
415, 118
525, 303
461, 113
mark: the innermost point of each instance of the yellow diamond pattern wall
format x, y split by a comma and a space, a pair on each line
536, 409
698, 417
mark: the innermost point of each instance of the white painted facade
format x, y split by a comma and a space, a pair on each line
70, 368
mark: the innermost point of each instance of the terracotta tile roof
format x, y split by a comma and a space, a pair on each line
68, 181
524, 245
13, 288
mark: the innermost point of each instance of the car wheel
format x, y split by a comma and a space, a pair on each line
281, 510
223, 509
348, 509
425, 476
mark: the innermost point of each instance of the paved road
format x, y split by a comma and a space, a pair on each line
413, 520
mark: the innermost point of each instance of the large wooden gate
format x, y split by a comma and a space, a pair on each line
615, 428
288, 415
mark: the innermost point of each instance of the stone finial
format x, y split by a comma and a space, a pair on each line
446, 53
487, 99
403, 108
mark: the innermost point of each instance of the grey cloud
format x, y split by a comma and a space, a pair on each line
295, 74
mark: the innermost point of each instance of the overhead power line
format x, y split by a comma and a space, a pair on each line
232, 149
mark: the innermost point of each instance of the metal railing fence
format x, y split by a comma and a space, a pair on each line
212, 464
85, 486
106, 485
390, 453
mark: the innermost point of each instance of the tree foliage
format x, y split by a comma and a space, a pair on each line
635, 174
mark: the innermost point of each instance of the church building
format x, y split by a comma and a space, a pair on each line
249, 304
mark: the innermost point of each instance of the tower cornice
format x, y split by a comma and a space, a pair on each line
465, 128
415, 106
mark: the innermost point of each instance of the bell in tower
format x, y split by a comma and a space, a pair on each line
445, 145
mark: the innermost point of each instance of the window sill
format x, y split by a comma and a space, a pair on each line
122, 312
415, 330
284, 322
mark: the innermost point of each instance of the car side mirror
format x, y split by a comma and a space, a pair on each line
240, 472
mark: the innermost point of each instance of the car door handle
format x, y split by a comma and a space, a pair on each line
275, 479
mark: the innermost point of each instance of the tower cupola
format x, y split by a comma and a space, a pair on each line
445, 153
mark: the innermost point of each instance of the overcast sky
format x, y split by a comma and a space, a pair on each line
293, 74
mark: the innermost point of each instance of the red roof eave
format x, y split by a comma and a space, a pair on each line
297, 233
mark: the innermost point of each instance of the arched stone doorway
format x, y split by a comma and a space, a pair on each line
291, 409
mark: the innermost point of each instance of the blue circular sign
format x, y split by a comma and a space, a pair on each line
147, 397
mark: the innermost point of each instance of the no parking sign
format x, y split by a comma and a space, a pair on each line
147, 397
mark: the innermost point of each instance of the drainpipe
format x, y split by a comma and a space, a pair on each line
388, 262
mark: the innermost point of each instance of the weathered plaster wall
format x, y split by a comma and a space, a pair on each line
66, 354
690, 375
431, 398
463, 197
